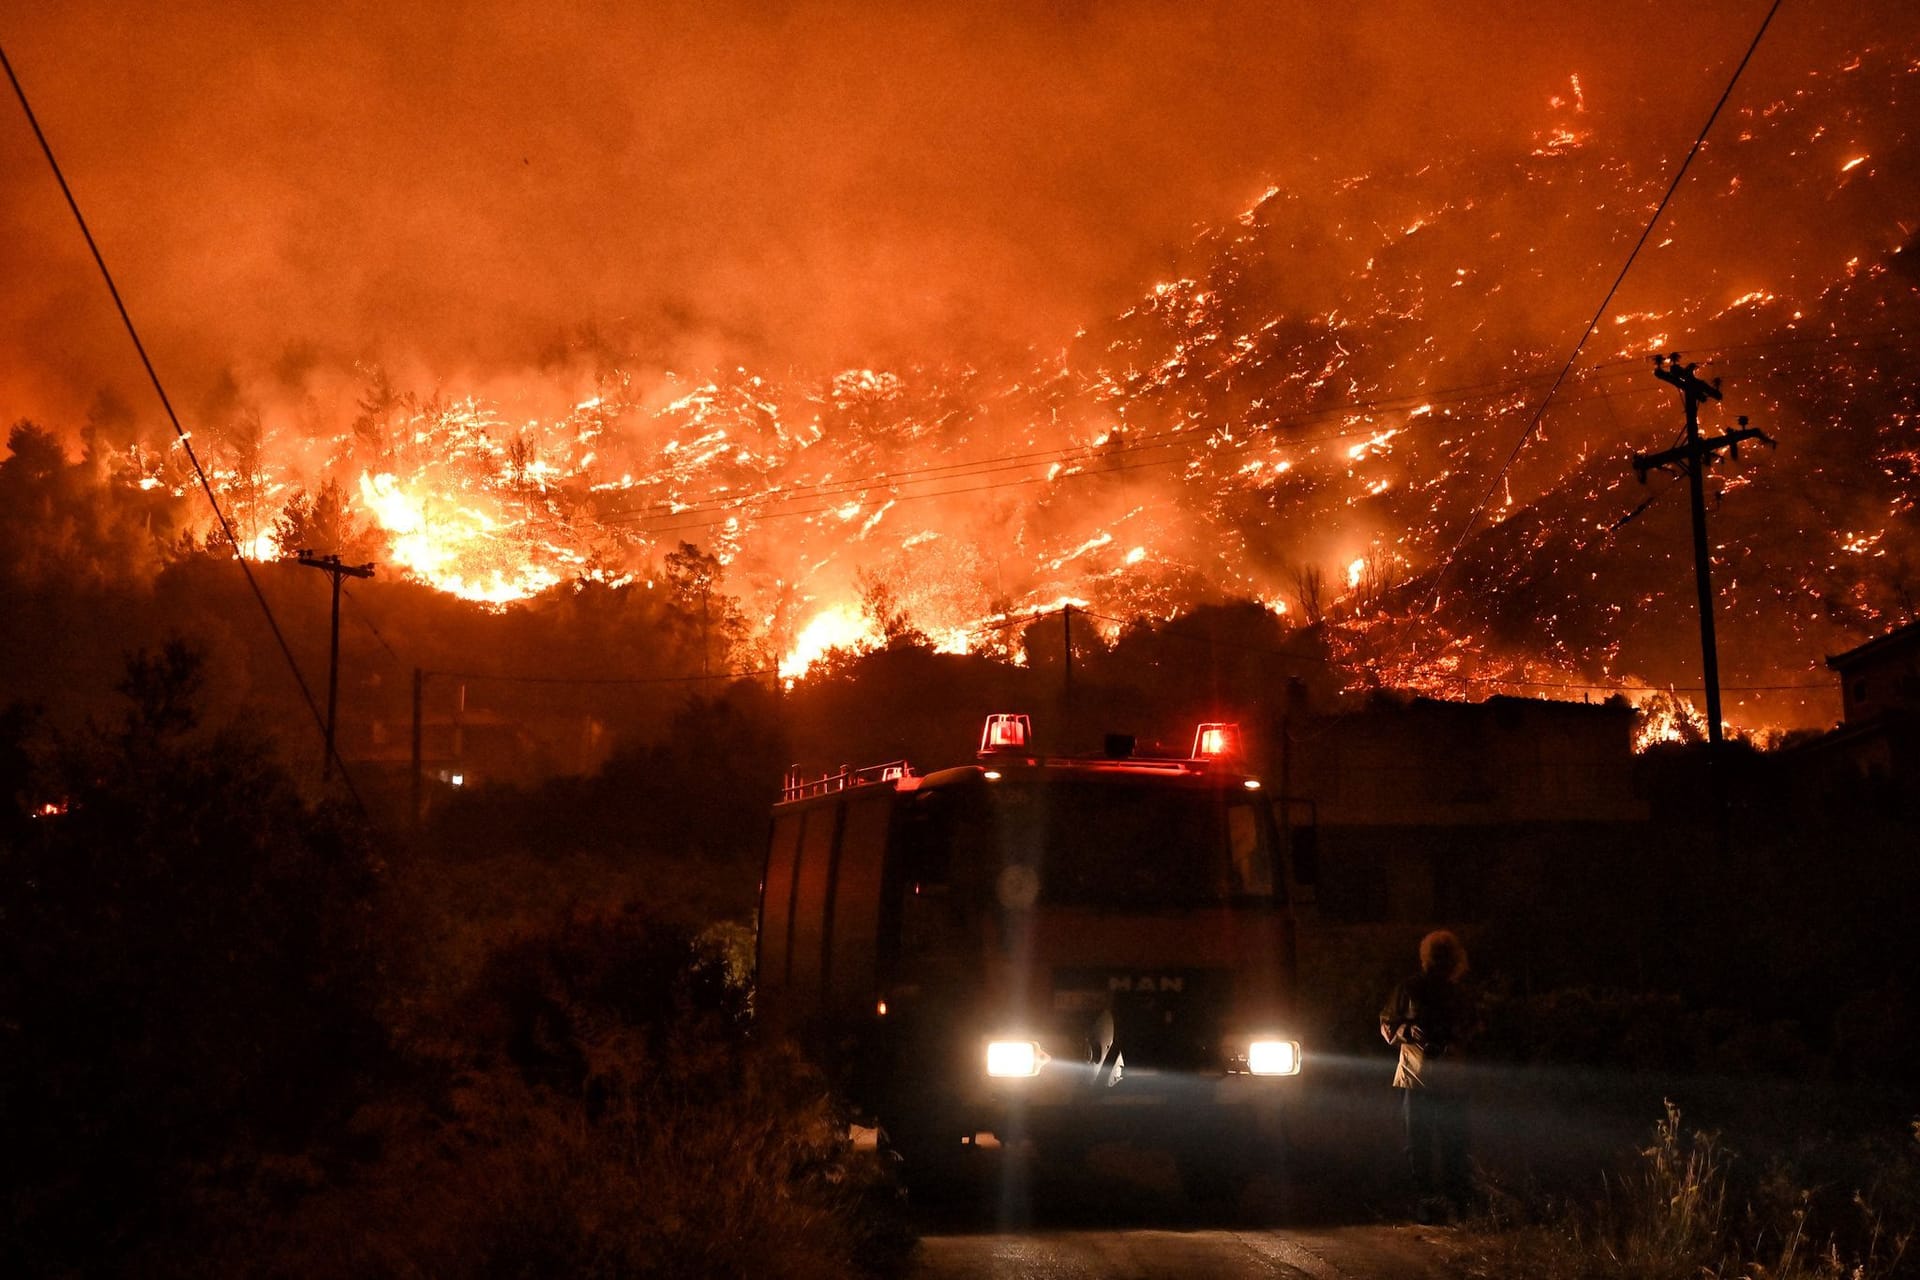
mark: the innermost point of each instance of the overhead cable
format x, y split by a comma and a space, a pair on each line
1533, 424
186, 444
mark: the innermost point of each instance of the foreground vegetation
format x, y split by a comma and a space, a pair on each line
1690, 1207
240, 1042
242, 1037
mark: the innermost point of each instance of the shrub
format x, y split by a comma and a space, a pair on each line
186, 979
1681, 1213
604, 1109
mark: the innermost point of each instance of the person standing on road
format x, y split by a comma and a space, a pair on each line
1430, 1019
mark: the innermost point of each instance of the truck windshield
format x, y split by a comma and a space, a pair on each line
1134, 843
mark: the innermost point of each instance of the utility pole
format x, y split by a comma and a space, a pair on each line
1066, 636
331, 566
1693, 458
419, 690
706, 629
1286, 782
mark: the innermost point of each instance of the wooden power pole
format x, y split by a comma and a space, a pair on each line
414, 795
331, 566
1693, 458
1066, 636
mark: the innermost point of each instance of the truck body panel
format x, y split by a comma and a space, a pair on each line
1125, 924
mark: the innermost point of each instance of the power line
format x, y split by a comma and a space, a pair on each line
1639, 509
1461, 679
1647, 688
364, 615
918, 497
744, 506
741, 506
1157, 442
1473, 517
515, 678
179, 431
1169, 439
1183, 434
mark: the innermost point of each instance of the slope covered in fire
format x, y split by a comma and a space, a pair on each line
1320, 407
1345, 394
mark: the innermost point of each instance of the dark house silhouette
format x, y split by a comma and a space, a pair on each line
1424, 809
1875, 750
1881, 676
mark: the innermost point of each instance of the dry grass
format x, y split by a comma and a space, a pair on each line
1676, 1216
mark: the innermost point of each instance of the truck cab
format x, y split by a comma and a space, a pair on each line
1047, 948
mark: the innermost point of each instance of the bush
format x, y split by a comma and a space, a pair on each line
233, 1045
603, 1109
186, 978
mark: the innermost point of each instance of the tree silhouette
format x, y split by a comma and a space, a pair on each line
185, 976
710, 620
324, 524
881, 604
1310, 593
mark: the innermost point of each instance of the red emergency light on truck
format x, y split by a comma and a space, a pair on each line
1064, 949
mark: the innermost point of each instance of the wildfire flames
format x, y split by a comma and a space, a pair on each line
837, 627
1306, 412
454, 546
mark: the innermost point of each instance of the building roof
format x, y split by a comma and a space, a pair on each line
1501, 704
1898, 638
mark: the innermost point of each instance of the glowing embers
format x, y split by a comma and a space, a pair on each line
1751, 298
1373, 445
1860, 544
1567, 134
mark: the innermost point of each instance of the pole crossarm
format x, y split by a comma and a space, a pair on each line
333, 565
1683, 376
1705, 449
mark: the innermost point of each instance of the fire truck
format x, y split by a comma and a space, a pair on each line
1056, 950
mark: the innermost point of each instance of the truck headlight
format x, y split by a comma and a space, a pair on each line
1273, 1058
1014, 1058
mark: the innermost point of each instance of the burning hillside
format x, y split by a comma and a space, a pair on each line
1306, 411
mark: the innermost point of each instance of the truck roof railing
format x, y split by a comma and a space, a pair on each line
1132, 764
796, 787
1008, 736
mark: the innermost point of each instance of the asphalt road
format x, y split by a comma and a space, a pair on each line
1146, 1253
1125, 1212
1341, 1207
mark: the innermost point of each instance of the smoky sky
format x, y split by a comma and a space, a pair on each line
479, 186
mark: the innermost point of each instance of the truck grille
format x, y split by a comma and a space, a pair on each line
1158, 1018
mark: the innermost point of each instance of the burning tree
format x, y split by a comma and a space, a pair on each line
323, 523
711, 618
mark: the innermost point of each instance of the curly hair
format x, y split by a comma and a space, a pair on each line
1442, 954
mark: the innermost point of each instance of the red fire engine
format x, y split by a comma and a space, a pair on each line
1055, 949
